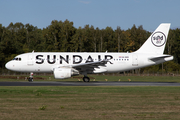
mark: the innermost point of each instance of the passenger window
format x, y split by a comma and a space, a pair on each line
19, 59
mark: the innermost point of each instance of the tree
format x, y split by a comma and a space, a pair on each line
76, 41
118, 33
175, 47
108, 40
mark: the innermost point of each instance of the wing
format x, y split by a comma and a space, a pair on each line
91, 67
86, 68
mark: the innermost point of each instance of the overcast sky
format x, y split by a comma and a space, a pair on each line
99, 13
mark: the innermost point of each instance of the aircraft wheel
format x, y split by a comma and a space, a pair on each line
86, 79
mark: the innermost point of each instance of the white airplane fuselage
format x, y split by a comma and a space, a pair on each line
45, 62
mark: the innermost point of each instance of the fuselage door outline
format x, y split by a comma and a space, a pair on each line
135, 60
30, 60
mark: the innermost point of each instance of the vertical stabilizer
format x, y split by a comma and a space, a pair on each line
157, 41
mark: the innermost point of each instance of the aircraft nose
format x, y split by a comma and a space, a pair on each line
8, 65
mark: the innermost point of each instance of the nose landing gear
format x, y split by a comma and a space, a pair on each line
30, 79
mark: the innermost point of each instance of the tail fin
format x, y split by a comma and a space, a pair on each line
157, 41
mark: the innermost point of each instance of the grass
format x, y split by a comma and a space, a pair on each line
96, 103
140, 78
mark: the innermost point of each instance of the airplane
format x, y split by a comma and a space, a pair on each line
67, 64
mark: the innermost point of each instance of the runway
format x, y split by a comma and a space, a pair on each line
50, 83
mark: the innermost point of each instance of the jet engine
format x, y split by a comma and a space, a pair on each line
62, 73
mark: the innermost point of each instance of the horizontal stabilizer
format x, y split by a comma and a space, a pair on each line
161, 58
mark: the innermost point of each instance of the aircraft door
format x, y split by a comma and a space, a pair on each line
30, 60
135, 60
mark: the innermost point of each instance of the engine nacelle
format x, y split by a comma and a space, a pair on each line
62, 73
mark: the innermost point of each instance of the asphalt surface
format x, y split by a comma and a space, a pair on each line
50, 83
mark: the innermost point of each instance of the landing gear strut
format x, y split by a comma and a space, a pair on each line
30, 79
86, 79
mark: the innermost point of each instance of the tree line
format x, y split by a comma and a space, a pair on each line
62, 36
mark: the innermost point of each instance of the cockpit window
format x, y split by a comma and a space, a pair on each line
17, 59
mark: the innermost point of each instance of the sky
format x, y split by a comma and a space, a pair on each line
98, 13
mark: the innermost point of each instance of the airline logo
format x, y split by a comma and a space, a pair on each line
158, 39
51, 59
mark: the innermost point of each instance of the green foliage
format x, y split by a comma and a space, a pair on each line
176, 98
43, 107
62, 36
61, 107
39, 94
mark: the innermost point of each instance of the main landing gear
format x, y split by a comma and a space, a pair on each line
86, 79
30, 79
